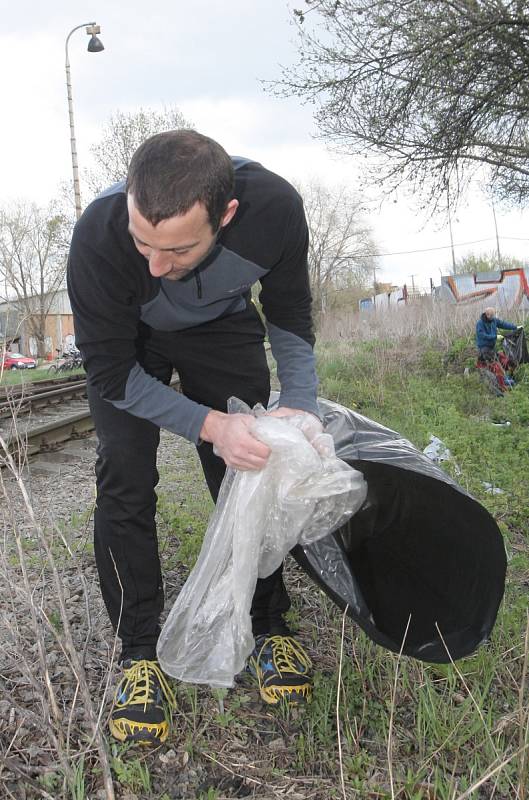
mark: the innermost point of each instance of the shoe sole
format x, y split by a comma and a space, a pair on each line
274, 696
140, 737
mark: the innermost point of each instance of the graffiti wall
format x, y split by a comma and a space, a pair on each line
506, 289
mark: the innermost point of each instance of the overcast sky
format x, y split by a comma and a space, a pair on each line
207, 57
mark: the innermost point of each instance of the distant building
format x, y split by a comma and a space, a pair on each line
15, 330
388, 296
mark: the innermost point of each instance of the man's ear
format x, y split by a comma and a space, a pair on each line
228, 215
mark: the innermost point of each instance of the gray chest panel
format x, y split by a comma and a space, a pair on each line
208, 292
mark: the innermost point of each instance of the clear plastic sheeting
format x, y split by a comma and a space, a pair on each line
437, 451
300, 496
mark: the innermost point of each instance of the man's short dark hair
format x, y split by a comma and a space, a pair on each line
172, 171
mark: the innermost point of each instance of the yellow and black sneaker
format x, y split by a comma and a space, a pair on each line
142, 704
282, 668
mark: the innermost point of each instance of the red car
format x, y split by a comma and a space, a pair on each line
18, 361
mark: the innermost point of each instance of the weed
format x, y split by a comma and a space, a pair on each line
132, 773
78, 781
209, 794
54, 617
50, 780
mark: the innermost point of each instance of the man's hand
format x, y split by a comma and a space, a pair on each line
232, 440
311, 427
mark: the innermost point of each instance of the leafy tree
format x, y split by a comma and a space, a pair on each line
434, 89
33, 251
122, 135
485, 262
341, 250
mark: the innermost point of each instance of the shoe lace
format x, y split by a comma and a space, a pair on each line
288, 654
140, 683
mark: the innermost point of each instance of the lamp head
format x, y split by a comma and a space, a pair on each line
95, 45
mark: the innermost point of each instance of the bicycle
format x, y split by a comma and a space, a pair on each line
66, 362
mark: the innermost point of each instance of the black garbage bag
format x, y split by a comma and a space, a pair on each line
420, 549
515, 346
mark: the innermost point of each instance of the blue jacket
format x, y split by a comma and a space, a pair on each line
487, 330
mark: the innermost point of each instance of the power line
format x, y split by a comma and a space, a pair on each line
441, 247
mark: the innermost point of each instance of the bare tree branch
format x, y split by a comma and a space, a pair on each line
33, 255
122, 135
434, 88
340, 241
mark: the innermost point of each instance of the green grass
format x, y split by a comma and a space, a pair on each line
448, 725
455, 726
183, 511
14, 377
131, 772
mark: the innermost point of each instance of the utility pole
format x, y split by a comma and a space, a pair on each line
413, 282
497, 237
450, 229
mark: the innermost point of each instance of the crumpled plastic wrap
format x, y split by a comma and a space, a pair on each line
299, 497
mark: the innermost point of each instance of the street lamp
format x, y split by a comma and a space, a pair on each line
94, 46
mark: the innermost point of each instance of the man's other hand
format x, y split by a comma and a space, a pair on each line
232, 440
311, 427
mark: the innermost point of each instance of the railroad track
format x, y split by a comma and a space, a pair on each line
53, 393
46, 437
28, 388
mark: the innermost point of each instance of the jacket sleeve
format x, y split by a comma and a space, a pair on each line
507, 326
106, 315
286, 300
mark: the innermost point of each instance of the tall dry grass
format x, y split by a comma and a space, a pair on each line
438, 321
50, 698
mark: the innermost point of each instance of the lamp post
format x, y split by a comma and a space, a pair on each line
94, 46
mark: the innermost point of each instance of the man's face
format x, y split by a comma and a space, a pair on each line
489, 314
176, 245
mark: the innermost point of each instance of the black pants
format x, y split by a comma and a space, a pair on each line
214, 361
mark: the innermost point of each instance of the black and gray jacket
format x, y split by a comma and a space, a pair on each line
111, 291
